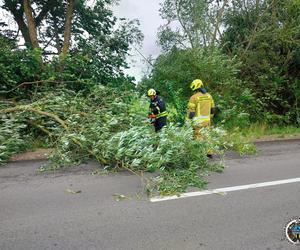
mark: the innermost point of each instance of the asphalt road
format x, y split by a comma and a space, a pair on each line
38, 211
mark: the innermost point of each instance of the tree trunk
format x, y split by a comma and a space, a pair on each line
18, 14
217, 23
31, 24
56, 33
257, 4
67, 32
181, 22
18, 17
24, 30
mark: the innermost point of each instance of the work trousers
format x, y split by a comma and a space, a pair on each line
159, 123
198, 127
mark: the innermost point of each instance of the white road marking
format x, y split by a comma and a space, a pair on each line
224, 190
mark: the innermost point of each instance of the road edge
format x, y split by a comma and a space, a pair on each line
43, 154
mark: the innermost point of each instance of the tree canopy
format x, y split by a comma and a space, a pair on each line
94, 42
246, 52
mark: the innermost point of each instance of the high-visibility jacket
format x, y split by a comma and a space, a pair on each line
201, 104
158, 107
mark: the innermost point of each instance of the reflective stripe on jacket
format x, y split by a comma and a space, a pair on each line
201, 104
158, 107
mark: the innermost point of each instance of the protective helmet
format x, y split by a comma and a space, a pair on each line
196, 84
151, 92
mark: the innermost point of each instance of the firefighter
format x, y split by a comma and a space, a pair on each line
201, 108
157, 110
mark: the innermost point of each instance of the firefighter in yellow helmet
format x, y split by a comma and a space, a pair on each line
157, 110
201, 107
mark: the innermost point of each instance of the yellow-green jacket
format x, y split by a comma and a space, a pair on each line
200, 106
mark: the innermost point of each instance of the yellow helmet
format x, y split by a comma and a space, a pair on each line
196, 84
151, 92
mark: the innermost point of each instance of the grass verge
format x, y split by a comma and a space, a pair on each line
264, 131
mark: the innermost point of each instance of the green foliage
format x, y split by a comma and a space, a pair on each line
110, 126
100, 45
189, 24
12, 140
174, 71
16, 66
6, 61
257, 130
177, 109
265, 37
252, 73
141, 148
176, 181
92, 118
181, 67
85, 107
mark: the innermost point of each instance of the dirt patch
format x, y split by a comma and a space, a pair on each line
277, 137
39, 154
42, 154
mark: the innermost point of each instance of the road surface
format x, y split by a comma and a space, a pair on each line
77, 210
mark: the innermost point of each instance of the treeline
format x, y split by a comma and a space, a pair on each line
246, 52
62, 86
57, 41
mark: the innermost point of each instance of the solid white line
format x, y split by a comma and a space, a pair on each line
224, 190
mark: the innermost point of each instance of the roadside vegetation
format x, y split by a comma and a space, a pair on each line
63, 86
261, 131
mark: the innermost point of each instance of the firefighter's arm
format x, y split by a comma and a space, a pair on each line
160, 106
213, 107
155, 108
191, 108
213, 110
151, 115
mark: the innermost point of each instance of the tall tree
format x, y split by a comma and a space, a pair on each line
41, 10
31, 24
191, 23
17, 11
96, 41
68, 24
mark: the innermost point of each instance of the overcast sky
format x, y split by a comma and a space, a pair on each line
147, 12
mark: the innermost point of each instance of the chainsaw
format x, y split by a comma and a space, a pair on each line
151, 117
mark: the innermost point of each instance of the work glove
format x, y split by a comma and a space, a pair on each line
152, 118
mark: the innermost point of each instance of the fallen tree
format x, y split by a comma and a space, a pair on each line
109, 126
